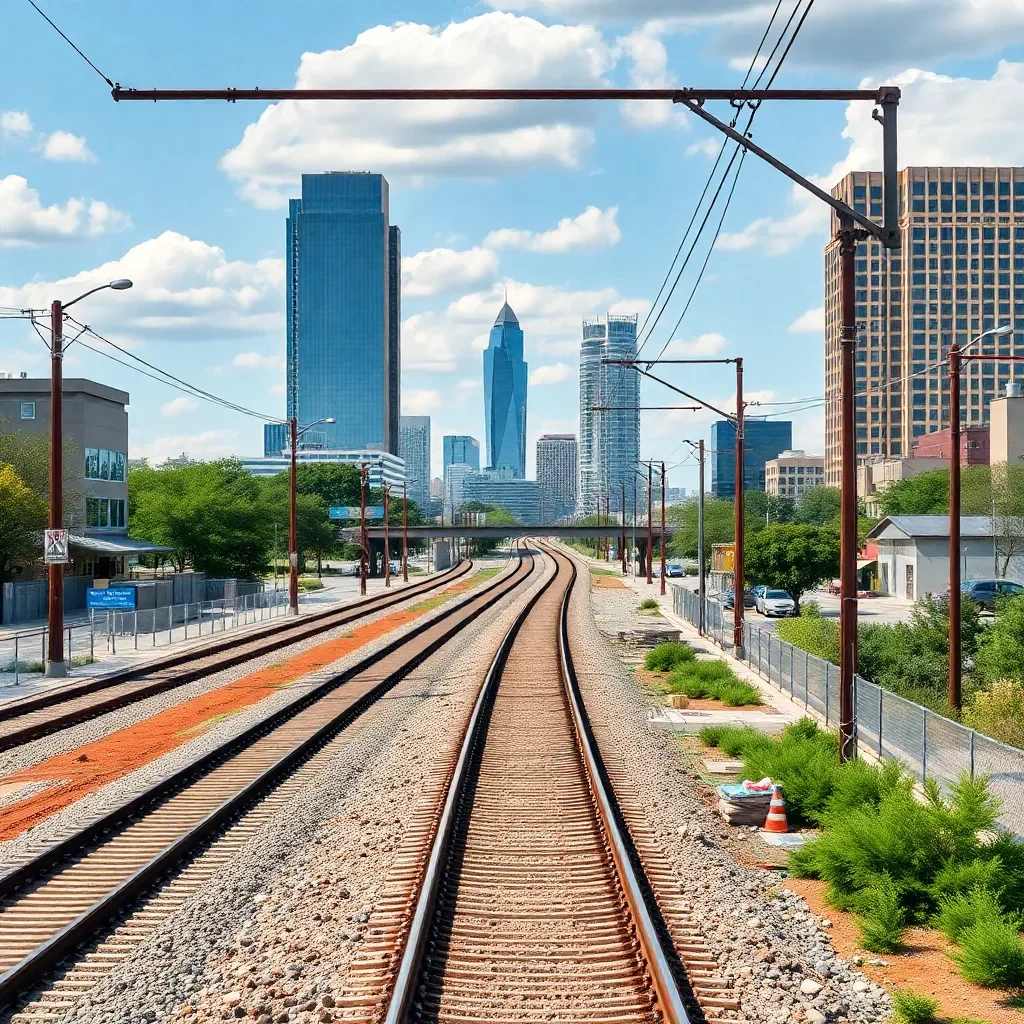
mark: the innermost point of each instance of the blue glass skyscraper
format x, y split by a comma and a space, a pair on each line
505, 395
763, 439
344, 310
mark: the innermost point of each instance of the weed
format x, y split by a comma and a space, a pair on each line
884, 920
22, 666
649, 605
711, 735
910, 1008
991, 954
738, 694
668, 656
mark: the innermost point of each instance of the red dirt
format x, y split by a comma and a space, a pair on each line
607, 582
925, 967
88, 768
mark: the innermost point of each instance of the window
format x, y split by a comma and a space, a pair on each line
28, 410
104, 513
101, 464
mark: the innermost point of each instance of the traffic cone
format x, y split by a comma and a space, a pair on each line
776, 820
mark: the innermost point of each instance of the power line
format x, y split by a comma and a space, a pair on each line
72, 45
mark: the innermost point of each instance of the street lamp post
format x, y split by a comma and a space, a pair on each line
405, 531
55, 666
364, 542
293, 511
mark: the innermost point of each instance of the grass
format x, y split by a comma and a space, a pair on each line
594, 571
909, 1007
649, 606
712, 680
668, 656
481, 576
23, 666
311, 584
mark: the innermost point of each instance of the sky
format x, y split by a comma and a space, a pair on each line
575, 209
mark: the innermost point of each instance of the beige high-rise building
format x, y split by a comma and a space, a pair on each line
792, 472
959, 272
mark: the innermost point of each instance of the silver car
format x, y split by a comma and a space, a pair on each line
775, 602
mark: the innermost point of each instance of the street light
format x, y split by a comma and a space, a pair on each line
956, 356
293, 512
55, 667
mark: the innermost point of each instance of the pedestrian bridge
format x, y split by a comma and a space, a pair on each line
501, 532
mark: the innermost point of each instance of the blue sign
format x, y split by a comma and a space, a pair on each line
110, 597
353, 512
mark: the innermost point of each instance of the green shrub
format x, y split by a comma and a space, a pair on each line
910, 1008
883, 920
999, 711
694, 687
813, 633
711, 735
736, 740
991, 954
713, 680
738, 694
648, 604
962, 911
666, 657
957, 878
1000, 645
810, 610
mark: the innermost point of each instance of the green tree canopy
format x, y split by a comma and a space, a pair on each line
923, 495
496, 516
761, 509
818, 506
1001, 646
792, 557
28, 454
718, 527
23, 515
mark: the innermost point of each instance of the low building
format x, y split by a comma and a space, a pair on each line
913, 554
384, 467
512, 494
1006, 418
874, 477
792, 472
974, 445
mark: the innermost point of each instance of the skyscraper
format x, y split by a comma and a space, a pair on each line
344, 311
461, 450
415, 450
505, 395
763, 439
609, 441
956, 275
557, 468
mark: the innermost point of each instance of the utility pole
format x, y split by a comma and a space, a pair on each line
364, 541
623, 541
663, 529
632, 549
955, 654
650, 531
405, 532
55, 667
738, 581
387, 545
293, 521
607, 522
700, 540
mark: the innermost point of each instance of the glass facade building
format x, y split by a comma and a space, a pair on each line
343, 261
275, 438
557, 471
460, 450
510, 493
415, 451
763, 440
505, 395
609, 447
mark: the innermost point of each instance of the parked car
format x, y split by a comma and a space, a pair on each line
674, 570
987, 592
775, 602
758, 591
729, 599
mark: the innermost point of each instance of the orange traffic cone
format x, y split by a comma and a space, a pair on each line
776, 820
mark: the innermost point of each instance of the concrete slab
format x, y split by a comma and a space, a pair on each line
691, 722
722, 767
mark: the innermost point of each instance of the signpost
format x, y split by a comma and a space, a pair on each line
353, 512
110, 597
55, 547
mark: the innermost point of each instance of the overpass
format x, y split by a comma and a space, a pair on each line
613, 530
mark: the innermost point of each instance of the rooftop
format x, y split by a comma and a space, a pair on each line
506, 316
71, 386
932, 526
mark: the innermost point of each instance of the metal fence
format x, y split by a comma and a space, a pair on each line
928, 744
112, 631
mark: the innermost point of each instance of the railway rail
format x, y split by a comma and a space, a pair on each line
25, 720
66, 894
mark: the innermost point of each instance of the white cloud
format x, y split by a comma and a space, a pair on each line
592, 229
811, 322
555, 373
64, 146
210, 444
178, 406
708, 147
258, 361
421, 401
703, 346
670, 425
14, 124
469, 385
183, 288
277, 389
943, 121
439, 270
421, 140
25, 221
649, 70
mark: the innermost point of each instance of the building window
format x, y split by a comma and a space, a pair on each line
104, 513
28, 410
101, 464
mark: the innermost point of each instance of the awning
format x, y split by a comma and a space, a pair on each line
115, 546
863, 563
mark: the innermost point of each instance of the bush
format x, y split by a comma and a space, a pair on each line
738, 694
311, 585
666, 657
711, 735
813, 633
956, 878
991, 954
960, 912
648, 604
999, 648
810, 610
737, 739
713, 680
910, 1008
999, 711
884, 920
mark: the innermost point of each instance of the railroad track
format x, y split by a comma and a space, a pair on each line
25, 720
66, 894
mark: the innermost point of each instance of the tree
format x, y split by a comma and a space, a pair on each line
924, 495
23, 515
718, 527
28, 454
211, 513
761, 509
317, 535
794, 558
1007, 511
819, 506
335, 484
1000, 646
496, 516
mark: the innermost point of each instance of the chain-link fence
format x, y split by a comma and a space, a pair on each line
113, 631
888, 725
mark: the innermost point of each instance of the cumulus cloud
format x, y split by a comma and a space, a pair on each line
25, 221
440, 270
14, 124
943, 121
704, 345
421, 401
672, 424
811, 322
183, 288
258, 361
210, 444
555, 373
708, 147
63, 146
649, 70
592, 229
416, 141
178, 406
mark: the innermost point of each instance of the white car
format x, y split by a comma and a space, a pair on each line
775, 602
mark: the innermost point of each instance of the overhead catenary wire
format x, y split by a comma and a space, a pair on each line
71, 44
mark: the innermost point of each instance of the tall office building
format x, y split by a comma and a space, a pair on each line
505, 395
344, 311
415, 450
557, 471
957, 274
763, 439
513, 494
275, 438
460, 450
609, 441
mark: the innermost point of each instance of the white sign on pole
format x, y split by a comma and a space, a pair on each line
55, 547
